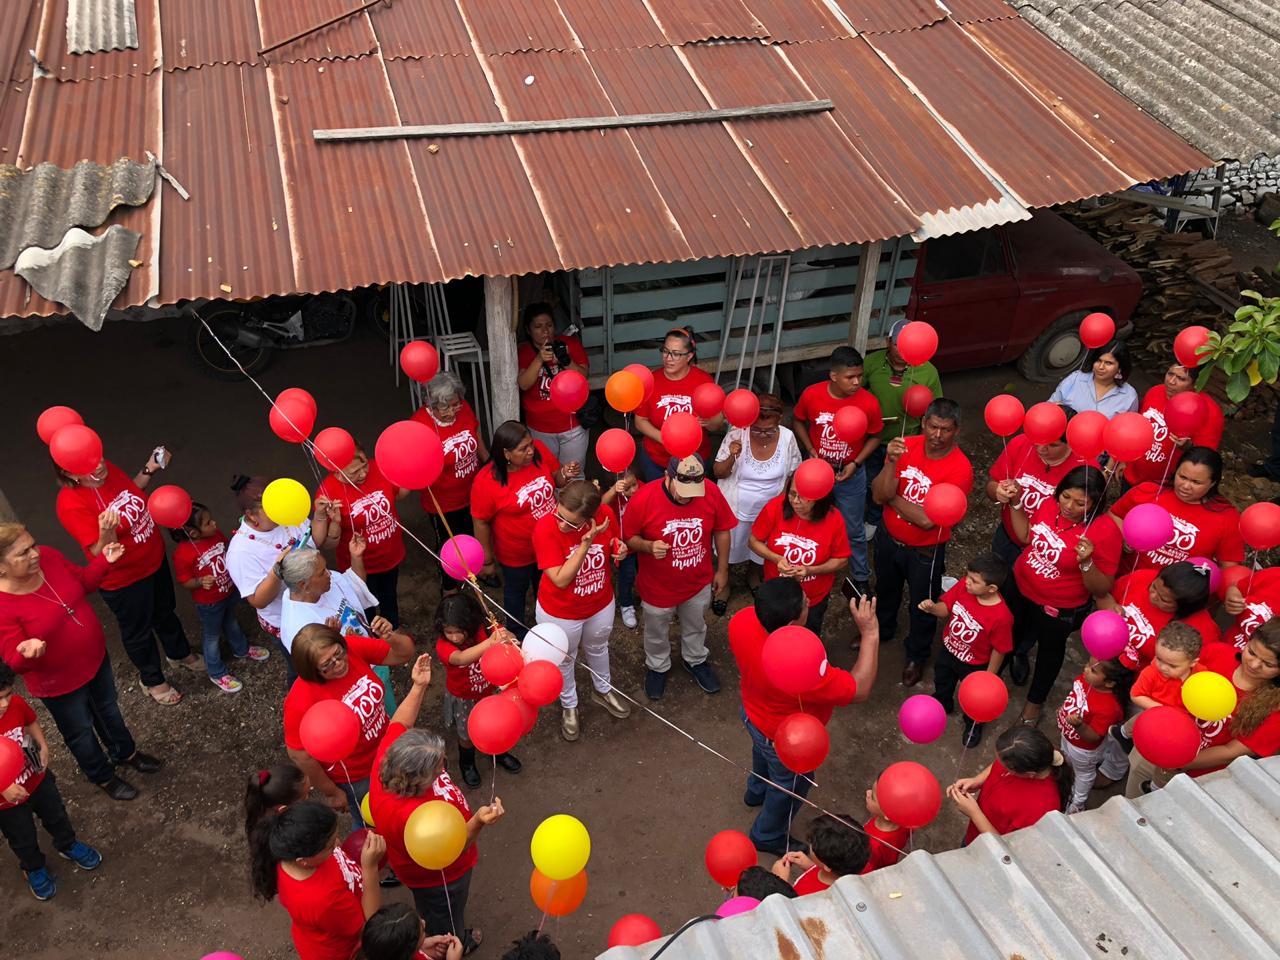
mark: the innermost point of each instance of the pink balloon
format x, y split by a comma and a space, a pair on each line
1215, 571
1105, 634
1148, 526
922, 718
222, 955
731, 908
472, 556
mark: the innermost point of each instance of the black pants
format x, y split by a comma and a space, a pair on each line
444, 908
516, 582
874, 513
144, 611
817, 613
1034, 627
18, 824
1004, 547
90, 714
948, 671
459, 523
384, 586
920, 572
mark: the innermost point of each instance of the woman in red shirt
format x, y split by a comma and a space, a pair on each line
577, 545
1205, 524
804, 539
541, 356
295, 856
1154, 466
1072, 559
1026, 780
673, 386
448, 501
1252, 602
51, 636
511, 493
139, 589
1149, 600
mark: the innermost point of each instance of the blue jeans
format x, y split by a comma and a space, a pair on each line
873, 513
516, 582
649, 468
626, 581
773, 821
851, 501
355, 793
91, 714
217, 619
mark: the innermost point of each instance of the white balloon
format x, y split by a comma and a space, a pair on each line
545, 641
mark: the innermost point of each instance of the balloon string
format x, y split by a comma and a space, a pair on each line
493, 791
932, 560
906, 383
448, 905
1008, 470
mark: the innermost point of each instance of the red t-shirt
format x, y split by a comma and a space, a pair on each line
975, 629
19, 715
1166, 691
1020, 462
766, 706
515, 508
325, 908
687, 530
1260, 604
917, 473
666, 398
360, 690
539, 412
1151, 467
883, 843
1198, 531
206, 557
368, 509
1011, 802
1099, 708
1264, 741
78, 509
465, 683
75, 644
810, 882
1146, 620
1048, 571
391, 813
592, 587
806, 543
817, 407
461, 443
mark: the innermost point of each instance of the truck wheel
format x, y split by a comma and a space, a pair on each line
226, 321
1056, 352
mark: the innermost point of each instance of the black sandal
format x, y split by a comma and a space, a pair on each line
469, 942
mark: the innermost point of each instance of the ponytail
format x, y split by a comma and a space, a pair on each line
1026, 750
1121, 679
300, 831
278, 786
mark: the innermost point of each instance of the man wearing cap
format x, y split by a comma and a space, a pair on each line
671, 524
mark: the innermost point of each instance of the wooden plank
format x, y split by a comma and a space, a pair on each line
499, 312
864, 295
1165, 203
509, 127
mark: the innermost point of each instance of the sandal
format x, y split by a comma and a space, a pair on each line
471, 940
164, 695
193, 663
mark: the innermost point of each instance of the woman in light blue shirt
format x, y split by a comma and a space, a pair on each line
1102, 387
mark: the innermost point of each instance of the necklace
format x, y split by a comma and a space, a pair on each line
56, 599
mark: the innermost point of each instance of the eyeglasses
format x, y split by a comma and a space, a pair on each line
675, 354
448, 405
333, 661
569, 523
764, 431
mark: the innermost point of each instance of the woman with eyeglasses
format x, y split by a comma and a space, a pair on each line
448, 413
752, 467
673, 386
542, 355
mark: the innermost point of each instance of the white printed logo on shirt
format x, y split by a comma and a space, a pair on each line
372, 517
352, 875
1045, 551
538, 495
1210, 730
797, 550
688, 545
366, 698
214, 561
1034, 492
1076, 703
830, 446
962, 629
445, 789
1140, 631
1161, 433
1258, 614
915, 486
590, 576
134, 513
674, 403
464, 448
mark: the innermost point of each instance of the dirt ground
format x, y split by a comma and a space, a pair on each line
173, 883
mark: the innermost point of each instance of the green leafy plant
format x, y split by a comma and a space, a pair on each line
1249, 352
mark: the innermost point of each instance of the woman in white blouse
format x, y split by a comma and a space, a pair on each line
1103, 385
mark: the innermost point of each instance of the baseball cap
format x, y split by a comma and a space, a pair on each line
896, 328
689, 475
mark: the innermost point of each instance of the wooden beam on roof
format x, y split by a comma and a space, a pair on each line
508, 127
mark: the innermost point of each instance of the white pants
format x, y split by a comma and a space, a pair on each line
739, 548
592, 635
1107, 757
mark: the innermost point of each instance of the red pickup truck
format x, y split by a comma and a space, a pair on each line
1018, 292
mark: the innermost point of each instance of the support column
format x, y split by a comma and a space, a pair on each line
500, 313
6, 509
863, 295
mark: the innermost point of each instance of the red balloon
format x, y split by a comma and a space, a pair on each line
495, 725
169, 506
1185, 413
1004, 413
794, 659
1260, 525
814, 479
916, 400
1096, 330
334, 448
909, 794
528, 712
645, 375
801, 742
741, 408
292, 394
409, 454
1085, 432
1187, 344
76, 449
728, 853
983, 696
1167, 736
615, 449
1237, 576
708, 400
501, 664
419, 360
945, 504
291, 418
54, 419
12, 761
1045, 423
850, 425
352, 846
330, 730
681, 435
569, 391
917, 342
539, 683
633, 929
1128, 436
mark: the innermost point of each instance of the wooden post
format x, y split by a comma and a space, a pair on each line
500, 315
6, 510
863, 295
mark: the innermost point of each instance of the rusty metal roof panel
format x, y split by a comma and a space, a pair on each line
612, 26
196, 33
975, 11
420, 28
691, 21
51, 46
96, 26
889, 16
22, 22
799, 21
279, 21
517, 27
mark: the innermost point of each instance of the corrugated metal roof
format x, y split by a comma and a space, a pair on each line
613, 26
199, 34
349, 37
1185, 873
887, 16
51, 46
1208, 69
399, 27
800, 21
689, 21
83, 272
517, 27
94, 26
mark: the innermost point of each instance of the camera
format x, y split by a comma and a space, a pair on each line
561, 352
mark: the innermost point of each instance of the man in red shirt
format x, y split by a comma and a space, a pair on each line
779, 603
910, 550
670, 525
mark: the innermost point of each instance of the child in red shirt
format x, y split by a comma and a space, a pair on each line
34, 794
1096, 701
1026, 780
199, 563
888, 840
835, 851
397, 932
1177, 657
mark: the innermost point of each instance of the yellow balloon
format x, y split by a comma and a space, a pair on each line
286, 501
560, 847
1209, 696
435, 834
364, 812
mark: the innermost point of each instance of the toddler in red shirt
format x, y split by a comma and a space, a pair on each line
887, 839
1159, 683
1096, 701
835, 851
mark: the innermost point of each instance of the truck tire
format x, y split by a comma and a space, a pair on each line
1056, 352
225, 320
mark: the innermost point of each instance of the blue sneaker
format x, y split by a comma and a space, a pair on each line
42, 884
83, 855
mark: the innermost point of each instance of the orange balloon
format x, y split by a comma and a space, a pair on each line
557, 898
624, 391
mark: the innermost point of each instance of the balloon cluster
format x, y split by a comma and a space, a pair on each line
74, 447
560, 848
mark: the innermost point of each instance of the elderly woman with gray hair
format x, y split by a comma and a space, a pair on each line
409, 771
447, 412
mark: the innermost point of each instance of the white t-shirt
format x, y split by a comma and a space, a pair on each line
251, 555
347, 599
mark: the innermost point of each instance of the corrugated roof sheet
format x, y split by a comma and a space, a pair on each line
800, 21
1208, 69
349, 37
199, 34
399, 27
94, 26
83, 272
1185, 873
517, 27
689, 21
51, 46
887, 16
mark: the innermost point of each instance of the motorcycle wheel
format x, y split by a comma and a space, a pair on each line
226, 320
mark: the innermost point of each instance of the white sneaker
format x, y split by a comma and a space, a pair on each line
227, 683
629, 618
869, 531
